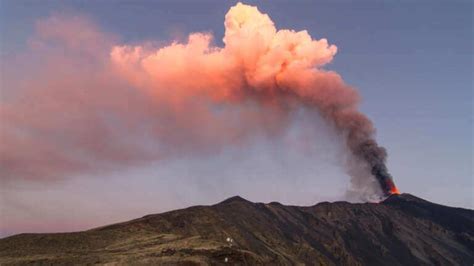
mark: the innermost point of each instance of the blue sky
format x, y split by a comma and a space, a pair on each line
410, 60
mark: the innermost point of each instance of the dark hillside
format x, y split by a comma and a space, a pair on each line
402, 230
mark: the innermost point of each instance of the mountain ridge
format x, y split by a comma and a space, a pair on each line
401, 230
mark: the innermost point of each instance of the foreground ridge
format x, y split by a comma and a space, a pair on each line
403, 229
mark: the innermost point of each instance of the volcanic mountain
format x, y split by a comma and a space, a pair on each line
402, 230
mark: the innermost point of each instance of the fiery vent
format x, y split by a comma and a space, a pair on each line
391, 188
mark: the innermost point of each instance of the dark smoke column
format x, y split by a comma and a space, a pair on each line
376, 156
361, 142
338, 103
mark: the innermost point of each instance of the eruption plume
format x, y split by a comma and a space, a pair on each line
177, 98
262, 64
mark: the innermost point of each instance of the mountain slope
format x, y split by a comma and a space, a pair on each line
402, 230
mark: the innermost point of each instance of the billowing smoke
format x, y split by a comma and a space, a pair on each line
263, 64
183, 98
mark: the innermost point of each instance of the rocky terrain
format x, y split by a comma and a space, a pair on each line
402, 230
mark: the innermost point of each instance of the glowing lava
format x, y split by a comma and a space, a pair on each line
395, 191
392, 189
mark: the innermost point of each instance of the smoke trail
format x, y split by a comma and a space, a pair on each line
259, 63
95, 105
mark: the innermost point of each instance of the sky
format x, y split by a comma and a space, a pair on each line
411, 62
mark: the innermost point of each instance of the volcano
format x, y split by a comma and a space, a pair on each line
401, 230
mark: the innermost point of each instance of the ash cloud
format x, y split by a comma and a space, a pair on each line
93, 104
